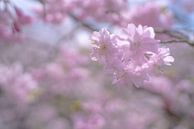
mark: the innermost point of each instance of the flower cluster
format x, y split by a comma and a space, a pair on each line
12, 19
64, 73
17, 84
149, 14
131, 56
104, 10
55, 11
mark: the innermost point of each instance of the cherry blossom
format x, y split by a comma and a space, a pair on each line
133, 55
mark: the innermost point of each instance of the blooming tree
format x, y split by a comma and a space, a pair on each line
96, 64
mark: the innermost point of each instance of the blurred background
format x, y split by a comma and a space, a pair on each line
48, 80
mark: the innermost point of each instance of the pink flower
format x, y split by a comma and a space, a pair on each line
93, 121
150, 14
104, 45
164, 54
17, 84
103, 10
55, 11
131, 56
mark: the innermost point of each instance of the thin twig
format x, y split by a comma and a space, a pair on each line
177, 36
83, 23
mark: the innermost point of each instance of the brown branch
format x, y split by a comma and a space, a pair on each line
177, 36
83, 23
